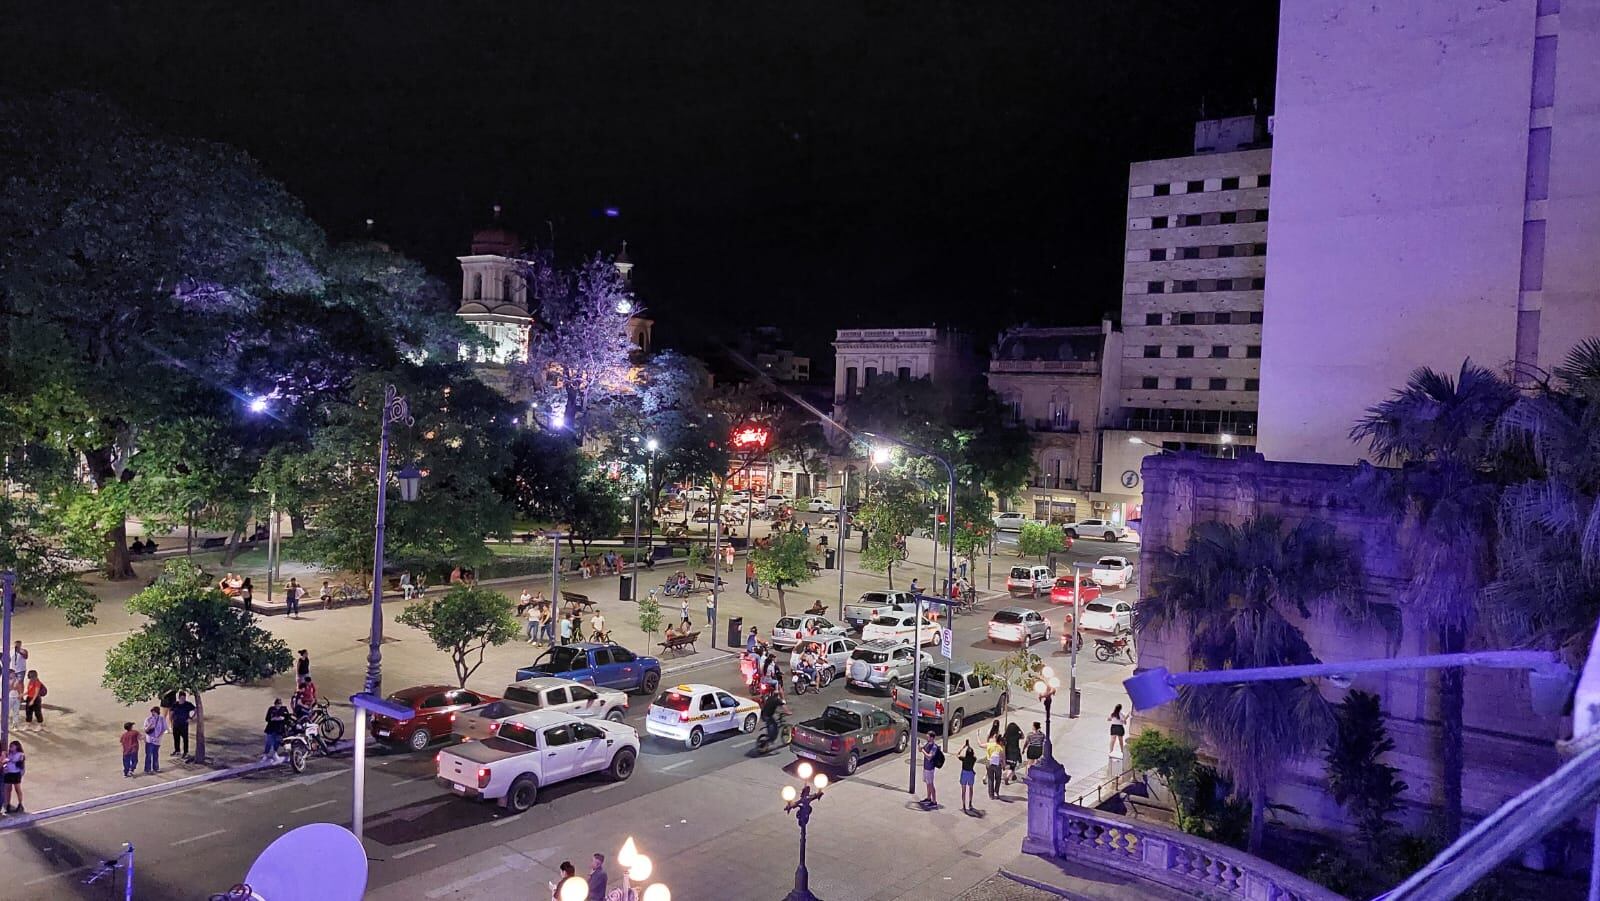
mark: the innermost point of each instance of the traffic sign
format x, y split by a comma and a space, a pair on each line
945, 643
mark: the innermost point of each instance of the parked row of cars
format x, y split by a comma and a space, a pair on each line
1013, 521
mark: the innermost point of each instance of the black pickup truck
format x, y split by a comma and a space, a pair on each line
848, 732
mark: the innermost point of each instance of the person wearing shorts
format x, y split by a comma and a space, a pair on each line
928, 768
969, 774
1119, 729
1034, 745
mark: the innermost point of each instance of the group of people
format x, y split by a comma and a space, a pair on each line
1004, 752
280, 719
609, 563
597, 879
142, 547
27, 699
546, 626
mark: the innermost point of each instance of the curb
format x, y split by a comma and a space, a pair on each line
27, 820
1034, 883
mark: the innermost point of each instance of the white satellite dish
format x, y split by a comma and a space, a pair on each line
317, 862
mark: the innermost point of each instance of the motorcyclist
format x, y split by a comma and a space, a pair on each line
806, 670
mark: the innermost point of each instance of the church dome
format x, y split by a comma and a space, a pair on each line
495, 238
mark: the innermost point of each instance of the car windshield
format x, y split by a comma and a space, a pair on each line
562, 660
1064, 583
894, 622
673, 700
1098, 608
523, 695
1020, 572
1007, 616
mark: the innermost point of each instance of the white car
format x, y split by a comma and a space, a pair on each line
775, 500
1030, 580
834, 650
540, 693
1106, 615
697, 494
790, 629
900, 625
1010, 521
533, 751
1095, 528
821, 505
1112, 572
690, 712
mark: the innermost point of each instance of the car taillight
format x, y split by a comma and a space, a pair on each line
494, 727
452, 717
833, 745
938, 708
894, 694
683, 717
880, 667
437, 758
483, 777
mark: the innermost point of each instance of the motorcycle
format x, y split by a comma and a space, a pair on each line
766, 744
1121, 643
814, 684
304, 740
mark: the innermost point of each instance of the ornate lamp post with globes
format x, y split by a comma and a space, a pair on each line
636, 868
800, 802
1047, 779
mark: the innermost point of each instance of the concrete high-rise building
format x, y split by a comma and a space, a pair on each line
1436, 197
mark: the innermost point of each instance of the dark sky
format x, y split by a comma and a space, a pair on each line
808, 164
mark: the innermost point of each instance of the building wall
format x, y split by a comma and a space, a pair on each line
940, 354
1436, 198
1507, 746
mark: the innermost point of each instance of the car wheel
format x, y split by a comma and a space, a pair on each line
419, 740
902, 742
1073, 534
1111, 536
651, 680
852, 763
1047, 633
523, 792
622, 765
697, 737
894, 683
615, 714
749, 724
957, 720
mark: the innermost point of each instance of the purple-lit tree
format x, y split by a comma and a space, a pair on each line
578, 353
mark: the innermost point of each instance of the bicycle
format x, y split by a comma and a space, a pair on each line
331, 727
600, 637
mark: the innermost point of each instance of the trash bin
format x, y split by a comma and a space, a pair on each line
863, 541
625, 588
735, 631
827, 559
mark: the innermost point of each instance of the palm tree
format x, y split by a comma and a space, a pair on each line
1441, 432
1236, 590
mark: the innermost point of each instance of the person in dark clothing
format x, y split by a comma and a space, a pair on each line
1013, 746
181, 712
597, 879
969, 773
302, 666
247, 593
277, 726
772, 712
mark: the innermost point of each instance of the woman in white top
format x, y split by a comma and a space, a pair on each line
15, 764
1119, 729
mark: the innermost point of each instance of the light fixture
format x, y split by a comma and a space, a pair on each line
625, 307
626, 855
574, 888
410, 483
880, 455
804, 770
789, 794
641, 868
1135, 439
658, 892
652, 445
820, 781
258, 405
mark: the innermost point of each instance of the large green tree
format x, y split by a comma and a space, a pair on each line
193, 639
894, 508
785, 561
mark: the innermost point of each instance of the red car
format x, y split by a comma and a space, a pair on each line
1062, 592
432, 706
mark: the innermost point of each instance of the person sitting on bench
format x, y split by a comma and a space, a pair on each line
818, 608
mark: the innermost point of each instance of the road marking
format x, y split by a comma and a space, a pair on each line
678, 764
196, 838
746, 743
79, 637
410, 851
291, 783
466, 881
57, 875
428, 778
506, 820
315, 806
606, 788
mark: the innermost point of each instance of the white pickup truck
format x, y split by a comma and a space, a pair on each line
873, 604
534, 750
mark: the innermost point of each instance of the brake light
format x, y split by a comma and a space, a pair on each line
494, 727
833, 744
437, 758
483, 777
938, 707
683, 717
880, 667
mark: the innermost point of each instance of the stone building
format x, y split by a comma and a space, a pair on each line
864, 355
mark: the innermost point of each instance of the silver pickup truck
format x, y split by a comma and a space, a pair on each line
954, 693
872, 604
540, 693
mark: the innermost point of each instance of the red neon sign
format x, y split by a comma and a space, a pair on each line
750, 437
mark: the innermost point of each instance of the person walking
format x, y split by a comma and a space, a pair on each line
994, 753
247, 593
577, 625
750, 577
182, 710
1012, 742
291, 597
547, 613
302, 666
969, 776
16, 763
535, 615
932, 758
277, 726
155, 726
566, 630
1033, 749
1119, 730
684, 619
130, 749
33, 699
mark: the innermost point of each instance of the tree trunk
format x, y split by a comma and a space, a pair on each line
1451, 699
199, 728
297, 524
890, 572
783, 610
118, 562
232, 551
1258, 822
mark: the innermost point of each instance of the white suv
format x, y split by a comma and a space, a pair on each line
1010, 521
1095, 528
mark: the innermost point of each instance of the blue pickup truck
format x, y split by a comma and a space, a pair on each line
606, 665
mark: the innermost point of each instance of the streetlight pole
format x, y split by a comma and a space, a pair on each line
272, 534
800, 803
8, 600
1077, 610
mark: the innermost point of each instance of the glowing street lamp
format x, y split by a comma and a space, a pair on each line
800, 803
881, 455
1046, 687
259, 404
636, 868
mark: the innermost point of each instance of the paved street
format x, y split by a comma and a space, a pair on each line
425, 843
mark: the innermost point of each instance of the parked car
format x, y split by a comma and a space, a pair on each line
849, 731
698, 494
775, 500
1113, 572
432, 706
790, 629
533, 751
690, 712
1088, 590
606, 665
1095, 528
1010, 521
834, 650
1018, 625
900, 625
874, 603
952, 692
1030, 580
1108, 615
821, 505
883, 665
541, 693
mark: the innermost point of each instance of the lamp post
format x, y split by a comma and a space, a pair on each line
799, 803
395, 409
1046, 687
8, 600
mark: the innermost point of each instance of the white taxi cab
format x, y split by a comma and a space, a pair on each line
690, 712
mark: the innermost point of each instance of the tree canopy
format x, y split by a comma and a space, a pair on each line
465, 621
784, 561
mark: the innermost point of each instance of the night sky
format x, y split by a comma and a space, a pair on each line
810, 165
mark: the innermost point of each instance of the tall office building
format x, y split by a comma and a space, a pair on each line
1436, 198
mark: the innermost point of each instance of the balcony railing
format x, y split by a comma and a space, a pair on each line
1060, 483
1055, 425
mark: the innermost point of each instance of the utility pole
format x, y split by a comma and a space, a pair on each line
8, 600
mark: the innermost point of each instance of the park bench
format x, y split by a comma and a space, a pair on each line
575, 601
678, 642
213, 543
706, 580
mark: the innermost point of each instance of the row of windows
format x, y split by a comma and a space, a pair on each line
1201, 185
1199, 285
1209, 252
1238, 317
1192, 220
1186, 351
1185, 383
850, 386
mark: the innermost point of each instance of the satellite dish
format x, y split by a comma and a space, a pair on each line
319, 861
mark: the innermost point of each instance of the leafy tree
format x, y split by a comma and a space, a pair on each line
1153, 751
787, 559
1234, 590
649, 616
465, 621
1441, 431
1368, 788
44, 568
893, 509
699, 552
1038, 539
598, 511
193, 639
1018, 669
578, 353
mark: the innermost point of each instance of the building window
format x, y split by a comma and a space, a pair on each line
1152, 351
1219, 384
1152, 319
1195, 187
1255, 317
1186, 319
1261, 215
1264, 180
1261, 249
1258, 284
904, 373
1157, 254
871, 376
1227, 218
1252, 384
1222, 318
505, 287
1189, 253
1225, 251
477, 286
1158, 222
1183, 384
850, 381
1155, 287
1188, 220
1161, 190
1185, 351
1253, 351
1183, 287
1150, 382
1219, 351
1230, 183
